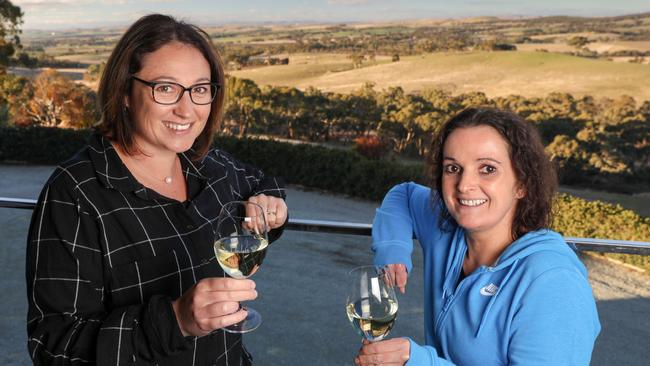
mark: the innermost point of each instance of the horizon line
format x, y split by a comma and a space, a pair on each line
115, 25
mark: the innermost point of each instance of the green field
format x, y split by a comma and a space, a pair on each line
530, 74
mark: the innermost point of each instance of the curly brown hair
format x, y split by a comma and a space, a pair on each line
533, 169
147, 35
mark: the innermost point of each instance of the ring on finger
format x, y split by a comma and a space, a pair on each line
271, 213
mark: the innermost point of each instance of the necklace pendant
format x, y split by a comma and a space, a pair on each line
168, 180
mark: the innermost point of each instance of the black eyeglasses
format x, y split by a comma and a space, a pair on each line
168, 92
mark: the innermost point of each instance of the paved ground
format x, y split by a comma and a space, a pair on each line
302, 288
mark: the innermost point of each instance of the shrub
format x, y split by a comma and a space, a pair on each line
371, 147
40, 145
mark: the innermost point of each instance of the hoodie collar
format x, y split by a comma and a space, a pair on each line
524, 246
532, 242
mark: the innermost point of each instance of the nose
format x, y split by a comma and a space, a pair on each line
184, 106
467, 182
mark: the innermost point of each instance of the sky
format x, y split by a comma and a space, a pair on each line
69, 14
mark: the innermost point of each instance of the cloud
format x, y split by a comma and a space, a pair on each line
69, 3
348, 2
41, 3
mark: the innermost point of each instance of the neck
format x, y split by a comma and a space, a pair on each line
483, 249
161, 166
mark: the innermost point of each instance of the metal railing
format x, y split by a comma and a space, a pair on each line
351, 228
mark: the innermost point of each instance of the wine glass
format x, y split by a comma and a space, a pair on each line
371, 302
240, 247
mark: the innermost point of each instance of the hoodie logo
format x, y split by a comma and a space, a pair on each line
489, 290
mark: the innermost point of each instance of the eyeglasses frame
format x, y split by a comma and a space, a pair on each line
153, 84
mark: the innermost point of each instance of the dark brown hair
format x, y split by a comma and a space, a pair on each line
147, 35
533, 170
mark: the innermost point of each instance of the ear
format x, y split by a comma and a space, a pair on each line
126, 101
520, 192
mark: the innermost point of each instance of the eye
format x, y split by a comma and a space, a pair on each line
488, 169
451, 169
166, 88
200, 89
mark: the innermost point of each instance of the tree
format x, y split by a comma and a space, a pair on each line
12, 97
244, 99
473, 99
23, 59
10, 20
288, 105
324, 112
620, 110
357, 60
94, 72
645, 110
578, 41
58, 102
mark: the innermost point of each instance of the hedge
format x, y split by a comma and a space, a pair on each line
340, 171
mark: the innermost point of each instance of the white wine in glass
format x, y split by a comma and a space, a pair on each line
240, 247
240, 256
371, 302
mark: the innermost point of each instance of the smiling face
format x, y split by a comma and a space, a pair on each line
168, 129
479, 185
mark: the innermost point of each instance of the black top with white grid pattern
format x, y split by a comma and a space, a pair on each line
106, 255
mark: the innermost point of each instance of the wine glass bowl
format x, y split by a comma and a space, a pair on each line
240, 257
371, 304
240, 245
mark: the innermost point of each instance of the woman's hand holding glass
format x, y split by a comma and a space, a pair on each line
398, 275
212, 303
389, 352
275, 210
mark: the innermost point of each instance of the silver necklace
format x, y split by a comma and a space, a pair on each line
167, 179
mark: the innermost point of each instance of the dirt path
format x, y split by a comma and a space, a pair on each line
623, 300
614, 282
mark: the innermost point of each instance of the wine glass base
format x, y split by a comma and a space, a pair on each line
253, 321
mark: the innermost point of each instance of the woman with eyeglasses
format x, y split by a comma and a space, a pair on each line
120, 266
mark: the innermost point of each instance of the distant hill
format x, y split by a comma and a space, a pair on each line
528, 74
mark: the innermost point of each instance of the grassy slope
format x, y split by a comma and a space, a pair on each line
495, 73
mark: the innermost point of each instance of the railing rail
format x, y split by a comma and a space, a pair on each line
351, 228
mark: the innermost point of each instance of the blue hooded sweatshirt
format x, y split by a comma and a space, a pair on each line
533, 307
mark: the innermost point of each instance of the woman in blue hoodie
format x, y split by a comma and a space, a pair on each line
500, 287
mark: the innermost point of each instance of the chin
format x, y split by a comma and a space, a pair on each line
468, 224
180, 147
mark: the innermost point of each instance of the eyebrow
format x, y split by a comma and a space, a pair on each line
173, 79
479, 159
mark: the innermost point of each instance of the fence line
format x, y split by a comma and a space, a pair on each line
352, 228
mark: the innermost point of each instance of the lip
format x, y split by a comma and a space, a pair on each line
178, 128
471, 202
